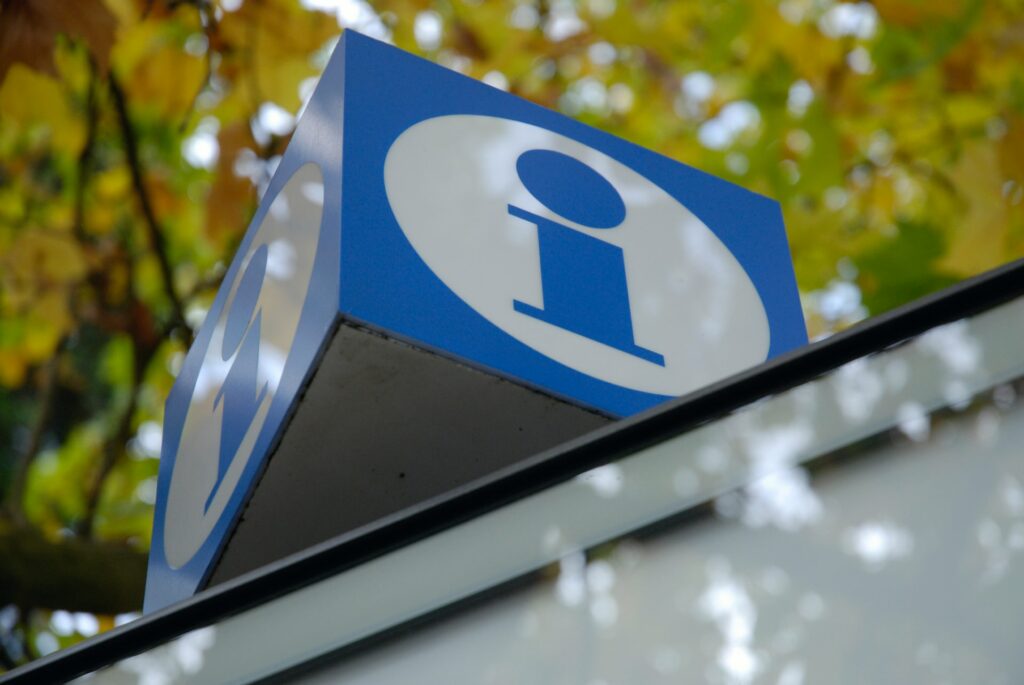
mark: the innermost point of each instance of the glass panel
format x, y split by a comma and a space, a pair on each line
863, 527
897, 563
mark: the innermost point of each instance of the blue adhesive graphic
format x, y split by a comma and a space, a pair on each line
240, 395
583, 278
590, 286
571, 189
252, 354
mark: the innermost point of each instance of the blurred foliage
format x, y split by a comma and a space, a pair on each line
135, 136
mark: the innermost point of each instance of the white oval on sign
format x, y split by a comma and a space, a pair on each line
689, 313
243, 364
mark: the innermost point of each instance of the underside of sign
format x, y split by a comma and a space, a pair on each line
384, 426
456, 279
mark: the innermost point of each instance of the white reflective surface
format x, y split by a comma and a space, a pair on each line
910, 570
896, 561
289, 235
450, 182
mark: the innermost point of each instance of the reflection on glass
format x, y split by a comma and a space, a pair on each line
867, 526
177, 661
888, 558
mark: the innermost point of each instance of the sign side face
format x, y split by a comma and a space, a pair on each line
517, 239
252, 354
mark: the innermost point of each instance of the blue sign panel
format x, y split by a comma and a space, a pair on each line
520, 240
251, 356
471, 222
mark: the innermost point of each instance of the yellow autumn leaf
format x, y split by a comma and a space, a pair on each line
51, 307
41, 336
229, 204
72, 67
276, 40
966, 111
12, 367
12, 205
102, 218
1011, 150
31, 100
813, 55
127, 12
168, 80
915, 12
113, 183
979, 241
45, 257
160, 76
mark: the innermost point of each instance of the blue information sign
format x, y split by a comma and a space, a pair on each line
470, 222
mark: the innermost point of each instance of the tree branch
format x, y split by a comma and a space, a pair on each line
207, 20
156, 237
112, 450
85, 156
71, 574
15, 510
114, 447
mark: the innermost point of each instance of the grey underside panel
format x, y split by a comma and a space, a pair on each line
383, 426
